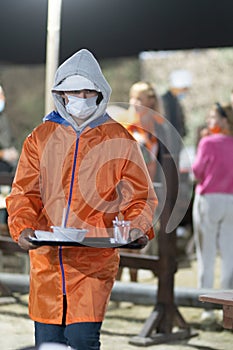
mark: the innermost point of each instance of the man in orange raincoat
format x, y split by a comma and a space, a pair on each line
82, 160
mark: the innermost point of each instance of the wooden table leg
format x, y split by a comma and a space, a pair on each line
159, 327
228, 317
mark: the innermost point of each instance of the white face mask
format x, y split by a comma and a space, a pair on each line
81, 108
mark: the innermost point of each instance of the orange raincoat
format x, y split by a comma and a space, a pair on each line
96, 173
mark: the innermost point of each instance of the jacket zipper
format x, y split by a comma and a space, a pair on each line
67, 214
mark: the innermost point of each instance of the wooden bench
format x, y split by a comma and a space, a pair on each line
12, 257
139, 261
9, 246
6, 178
224, 298
6, 243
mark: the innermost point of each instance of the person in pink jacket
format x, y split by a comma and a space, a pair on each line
213, 204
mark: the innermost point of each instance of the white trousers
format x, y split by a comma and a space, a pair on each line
213, 234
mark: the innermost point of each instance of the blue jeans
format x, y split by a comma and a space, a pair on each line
80, 336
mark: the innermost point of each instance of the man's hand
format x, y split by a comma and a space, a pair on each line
139, 237
142, 241
23, 241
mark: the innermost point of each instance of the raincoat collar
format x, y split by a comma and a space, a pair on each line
56, 118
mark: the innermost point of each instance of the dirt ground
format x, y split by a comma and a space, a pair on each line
123, 322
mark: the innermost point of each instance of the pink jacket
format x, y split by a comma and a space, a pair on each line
213, 165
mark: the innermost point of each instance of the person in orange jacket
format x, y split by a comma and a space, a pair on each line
144, 121
82, 160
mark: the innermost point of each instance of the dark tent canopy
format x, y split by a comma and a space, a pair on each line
114, 28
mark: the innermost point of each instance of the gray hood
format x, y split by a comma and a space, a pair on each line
82, 63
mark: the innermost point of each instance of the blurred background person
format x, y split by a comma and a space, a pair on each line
8, 158
180, 82
8, 153
143, 119
213, 203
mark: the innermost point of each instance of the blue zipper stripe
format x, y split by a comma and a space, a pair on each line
62, 271
67, 214
72, 181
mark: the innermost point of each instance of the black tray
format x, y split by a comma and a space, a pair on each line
93, 242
